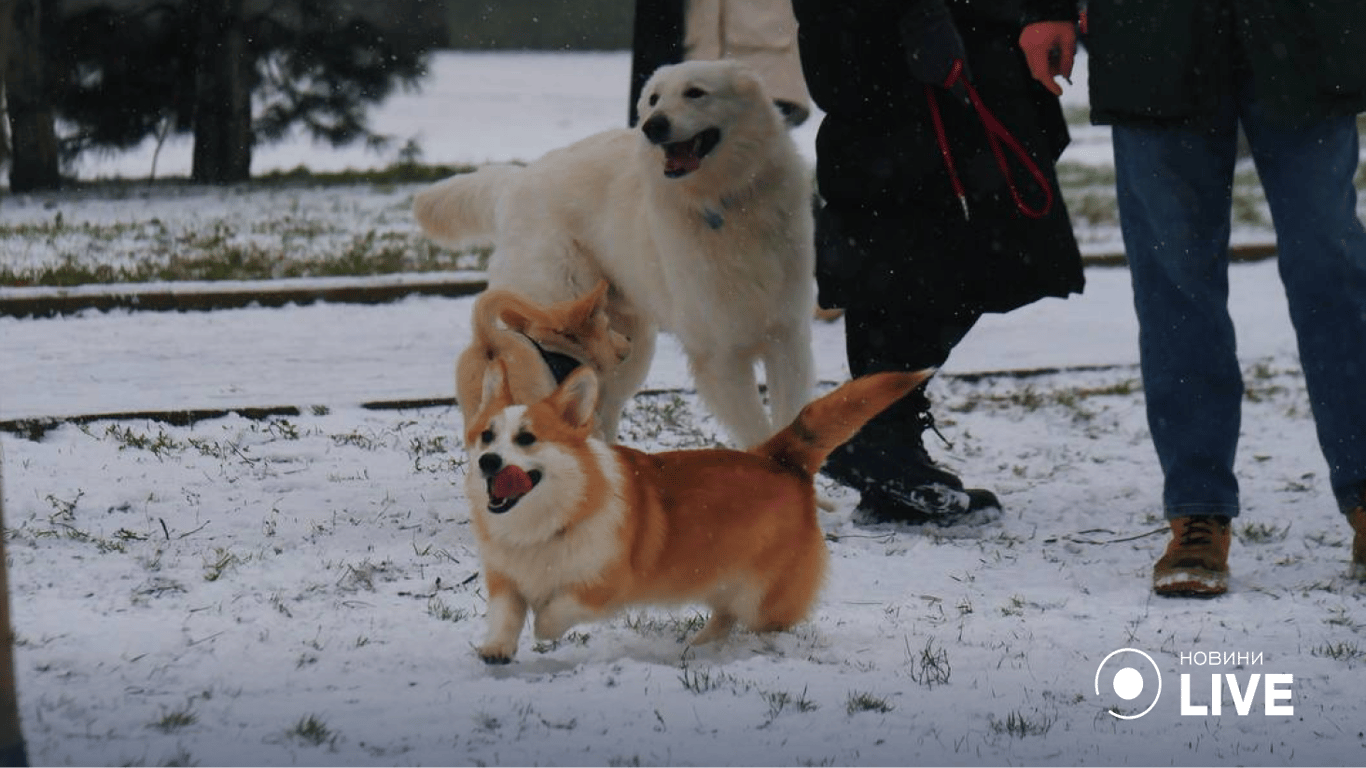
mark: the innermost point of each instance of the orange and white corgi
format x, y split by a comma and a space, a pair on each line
538, 344
574, 529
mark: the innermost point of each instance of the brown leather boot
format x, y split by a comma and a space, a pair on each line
1357, 519
1196, 561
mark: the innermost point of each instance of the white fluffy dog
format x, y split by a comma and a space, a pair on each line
700, 219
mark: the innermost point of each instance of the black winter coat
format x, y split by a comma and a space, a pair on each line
656, 40
1170, 62
891, 234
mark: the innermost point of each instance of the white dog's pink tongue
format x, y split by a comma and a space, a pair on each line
511, 482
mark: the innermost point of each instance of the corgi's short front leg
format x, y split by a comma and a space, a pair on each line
558, 614
506, 616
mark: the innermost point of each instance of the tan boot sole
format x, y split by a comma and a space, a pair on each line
1190, 582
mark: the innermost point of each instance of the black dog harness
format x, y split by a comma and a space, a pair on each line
560, 364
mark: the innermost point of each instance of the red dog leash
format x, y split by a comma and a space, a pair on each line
997, 136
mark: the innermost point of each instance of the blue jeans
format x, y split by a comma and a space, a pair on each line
1175, 197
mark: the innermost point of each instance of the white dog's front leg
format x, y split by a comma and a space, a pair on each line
618, 387
789, 371
558, 614
506, 617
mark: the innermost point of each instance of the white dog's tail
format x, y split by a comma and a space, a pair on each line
462, 209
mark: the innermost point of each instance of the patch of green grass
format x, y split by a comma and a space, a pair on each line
655, 625
1341, 651
218, 563
159, 445
312, 731
395, 173
702, 681
930, 667
1020, 725
780, 701
860, 701
175, 720
1262, 533
437, 609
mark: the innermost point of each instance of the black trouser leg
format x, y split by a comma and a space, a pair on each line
877, 339
886, 461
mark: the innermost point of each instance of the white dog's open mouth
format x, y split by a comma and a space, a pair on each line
683, 157
508, 485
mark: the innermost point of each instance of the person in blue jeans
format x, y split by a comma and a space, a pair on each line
1175, 80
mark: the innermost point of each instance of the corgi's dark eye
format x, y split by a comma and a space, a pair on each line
524, 439
694, 93
486, 436
654, 99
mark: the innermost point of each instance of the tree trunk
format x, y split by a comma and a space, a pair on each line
6, 41
222, 112
12, 750
28, 94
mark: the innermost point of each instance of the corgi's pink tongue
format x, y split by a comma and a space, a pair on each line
511, 483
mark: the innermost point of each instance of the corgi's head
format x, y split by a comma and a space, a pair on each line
530, 466
576, 328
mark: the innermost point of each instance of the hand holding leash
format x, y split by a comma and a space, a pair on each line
1000, 139
934, 52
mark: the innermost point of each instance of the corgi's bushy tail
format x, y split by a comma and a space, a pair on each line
828, 422
462, 209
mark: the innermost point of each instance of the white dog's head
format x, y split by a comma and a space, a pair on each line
695, 111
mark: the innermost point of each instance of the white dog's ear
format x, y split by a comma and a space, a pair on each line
577, 398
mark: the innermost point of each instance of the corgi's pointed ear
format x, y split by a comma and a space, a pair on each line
519, 314
598, 297
496, 396
497, 391
576, 400
510, 308
582, 310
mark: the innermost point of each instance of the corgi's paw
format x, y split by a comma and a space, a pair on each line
494, 652
558, 616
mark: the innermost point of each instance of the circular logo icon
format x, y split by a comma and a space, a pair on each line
1133, 676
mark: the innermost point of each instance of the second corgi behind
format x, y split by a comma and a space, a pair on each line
538, 345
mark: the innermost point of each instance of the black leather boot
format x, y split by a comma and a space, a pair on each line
898, 481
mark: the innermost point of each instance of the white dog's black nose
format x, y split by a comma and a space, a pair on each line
657, 129
489, 463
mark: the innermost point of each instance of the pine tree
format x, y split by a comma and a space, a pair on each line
204, 66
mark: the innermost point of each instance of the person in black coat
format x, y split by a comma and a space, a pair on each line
922, 230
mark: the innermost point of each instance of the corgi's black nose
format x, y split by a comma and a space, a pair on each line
656, 129
490, 463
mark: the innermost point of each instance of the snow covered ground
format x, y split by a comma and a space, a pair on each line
302, 589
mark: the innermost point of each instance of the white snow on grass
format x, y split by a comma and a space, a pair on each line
305, 589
